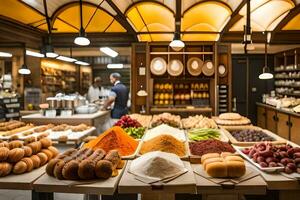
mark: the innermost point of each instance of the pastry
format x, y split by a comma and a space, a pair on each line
103, 169
15, 155
4, 144
20, 167
5, 168
43, 157
121, 164
3, 153
54, 151
27, 151
42, 135
230, 116
29, 164
36, 161
114, 157
29, 140
48, 153
70, 170
51, 165
40, 129
15, 144
242, 121
57, 172
46, 142
35, 146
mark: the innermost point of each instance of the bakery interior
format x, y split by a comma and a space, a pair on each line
210, 91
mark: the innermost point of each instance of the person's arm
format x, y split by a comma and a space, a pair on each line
111, 98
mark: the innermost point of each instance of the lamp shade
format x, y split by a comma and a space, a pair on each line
266, 74
82, 40
177, 44
24, 70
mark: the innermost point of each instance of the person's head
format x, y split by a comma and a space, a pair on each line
97, 81
114, 77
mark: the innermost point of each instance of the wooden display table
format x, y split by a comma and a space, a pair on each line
184, 112
94, 119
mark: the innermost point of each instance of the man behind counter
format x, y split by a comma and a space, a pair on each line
119, 96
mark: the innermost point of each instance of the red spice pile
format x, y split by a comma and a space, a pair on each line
210, 146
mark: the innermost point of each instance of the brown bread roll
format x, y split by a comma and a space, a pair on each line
5, 168
15, 144
29, 140
20, 167
36, 161
234, 158
114, 157
104, 169
48, 153
46, 142
43, 135
35, 146
86, 153
29, 164
54, 151
209, 155
58, 169
4, 144
211, 160
70, 170
87, 167
27, 151
69, 152
121, 164
217, 169
43, 157
4, 153
15, 155
51, 165
225, 154
235, 169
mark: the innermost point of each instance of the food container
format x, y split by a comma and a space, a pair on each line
54, 103
67, 104
79, 101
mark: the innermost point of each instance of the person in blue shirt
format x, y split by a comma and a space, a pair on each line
119, 96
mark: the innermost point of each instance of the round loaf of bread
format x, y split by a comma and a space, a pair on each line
103, 169
58, 169
43, 157
48, 153
51, 165
86, 169
211, 160
54, 151
230, 116
5, 168
46, 142
15, 144
70, 170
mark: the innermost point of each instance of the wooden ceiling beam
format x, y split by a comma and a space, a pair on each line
293, 12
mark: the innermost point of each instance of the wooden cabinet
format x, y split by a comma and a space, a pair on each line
295, 129
283, 125
271, 120
261, 117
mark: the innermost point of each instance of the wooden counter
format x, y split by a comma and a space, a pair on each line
94, 119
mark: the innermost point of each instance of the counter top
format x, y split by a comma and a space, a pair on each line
282, 110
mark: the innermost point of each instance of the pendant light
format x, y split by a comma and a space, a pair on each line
24, 70
81, 40
247, 40
266, 74
177, 44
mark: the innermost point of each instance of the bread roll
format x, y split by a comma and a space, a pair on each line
225, 154
57, 172
209, 155
51, 165
15, 144
27, 151
20, 167
15, 155
4, 144
3, 153
54, 151
48, 153
217, 169
29, 164
114, 157
46, 142
35, 146
234, 158
211, 160
43, 157
5, 168
87, 167
36, 161
70, 170
235, 169
104, 169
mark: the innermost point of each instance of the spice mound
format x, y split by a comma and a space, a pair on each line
157, 166
167, 130
114, 138
210, 146
165, 143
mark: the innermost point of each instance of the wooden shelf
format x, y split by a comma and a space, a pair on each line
290, 86
180, 52
289, 94
287, 70
289, 78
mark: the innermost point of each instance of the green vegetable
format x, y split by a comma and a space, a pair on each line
197, 134
136, 133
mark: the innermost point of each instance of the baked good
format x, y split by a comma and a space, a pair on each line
29, 164
3, 153
15, 155
35, 146
54, 151
217, 169
43, 157
46, 142
211, 160
208, 156
230, 116
70, 170
48, 153
51, 165
5, 168
235, 169
121, 164
114, 157
42, 135
103, 169
233, 158
28, 140
69, 152
225, 154
27, 151
20, 167
57, 172
4, 144
63, 138
36, 161
242, 121
15, 144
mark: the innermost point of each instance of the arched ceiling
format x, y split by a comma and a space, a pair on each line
154, 20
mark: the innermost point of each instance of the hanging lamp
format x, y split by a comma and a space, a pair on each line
266, 74
247, 40
177, 44
24, 70
81, 40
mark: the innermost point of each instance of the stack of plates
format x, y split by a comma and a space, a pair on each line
158, 66
194, 66
175, 67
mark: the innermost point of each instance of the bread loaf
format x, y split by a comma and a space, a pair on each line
211, 160
5, 168
114, 157
20, 167
234, 158
48, 153
51, 165
4, 144
35, 146
57, 172
3, 153
15, 155
217, 169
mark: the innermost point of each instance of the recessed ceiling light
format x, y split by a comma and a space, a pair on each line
81, 63
34, 54
115, 66
5, 54
108, 51
67, 59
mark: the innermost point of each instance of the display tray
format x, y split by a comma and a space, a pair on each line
182, 184
223, 136
47, 183
71, 136
229, 129
21, 181
4, 135
207, 186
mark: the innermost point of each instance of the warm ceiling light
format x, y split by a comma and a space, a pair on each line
34, 54
67, 59
115, 66
250, 46
82, 40
50, 51
177, 44
108, 51
24, 70
81, 63
266, 74
5, 54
